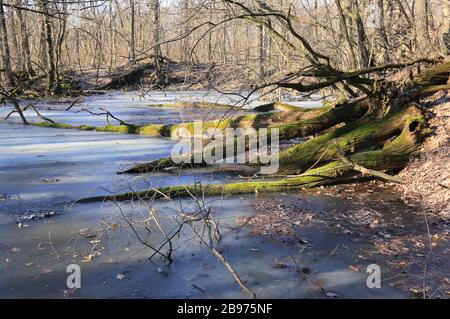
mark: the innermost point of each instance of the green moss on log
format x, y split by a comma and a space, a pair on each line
197, 104
351, 138
393, 156
436, 75
280, 106
55, 125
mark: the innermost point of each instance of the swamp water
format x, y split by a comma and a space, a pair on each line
42, 169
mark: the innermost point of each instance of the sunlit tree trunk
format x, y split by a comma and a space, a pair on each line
52, 76
362, 39
346, 33
133, 33
422, 32
381, 30
185, 50
210, 42
6, 58
156, 35
261, 49
446, 28
25, 39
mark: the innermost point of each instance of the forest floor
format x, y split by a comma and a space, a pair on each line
427, 176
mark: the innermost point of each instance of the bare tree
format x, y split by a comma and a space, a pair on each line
423, 35
346, 33
25, 39
6, 57
156, 36
362, 39
261, 49
52, 73
132, 53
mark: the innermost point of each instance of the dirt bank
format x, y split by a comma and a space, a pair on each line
427, 176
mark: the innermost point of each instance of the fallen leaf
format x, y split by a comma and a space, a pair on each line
353, 268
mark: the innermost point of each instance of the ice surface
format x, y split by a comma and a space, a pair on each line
44, 168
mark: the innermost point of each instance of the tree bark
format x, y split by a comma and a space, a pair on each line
423, 36
185, 54
156, 37
381, 30
52, 73
362, 39
261, 49
133, 33
25, 40
345, 31
6, 57
446, 28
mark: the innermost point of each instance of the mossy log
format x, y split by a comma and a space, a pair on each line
351, 138
363, 136
280, 106
151, 129
360, 129
393, 155
286, 131
199, 105
168, 130
436, 75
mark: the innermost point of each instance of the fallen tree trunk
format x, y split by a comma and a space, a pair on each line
351, 138
394, 155
360, 129
324, 120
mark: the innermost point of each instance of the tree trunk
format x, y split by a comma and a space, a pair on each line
210, 34
61, 36
381, 30
345, 31
421, 22
185, 50
156, 37
43, 59
446, 28
17, 56
6, 58
261, 50
52, 75
364, 58
25, 40
133, 33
